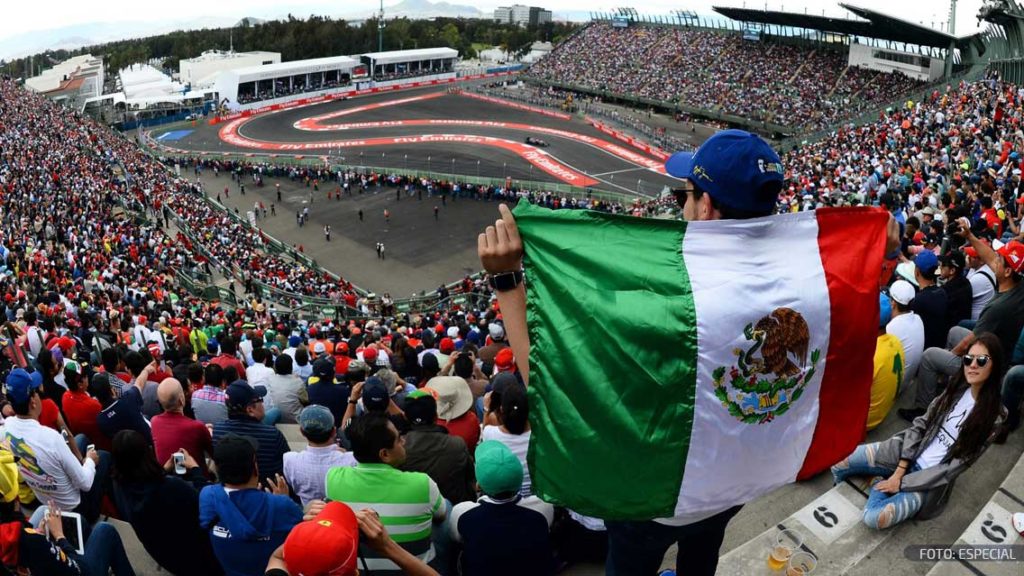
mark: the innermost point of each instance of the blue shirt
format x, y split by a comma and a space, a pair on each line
271, 445
125, 414
246, 526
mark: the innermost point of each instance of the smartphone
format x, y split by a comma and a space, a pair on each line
72, 524
179, 463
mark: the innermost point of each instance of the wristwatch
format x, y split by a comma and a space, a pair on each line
505, 281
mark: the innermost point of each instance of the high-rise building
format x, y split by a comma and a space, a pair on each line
522, 15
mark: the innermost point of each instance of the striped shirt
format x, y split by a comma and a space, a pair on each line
208, 405
407, 503
305, 471
271, 445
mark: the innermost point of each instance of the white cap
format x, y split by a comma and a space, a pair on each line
905, 271
902, 292
496, 330
453, 332
319, 348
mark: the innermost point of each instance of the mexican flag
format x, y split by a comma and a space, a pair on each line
684, 368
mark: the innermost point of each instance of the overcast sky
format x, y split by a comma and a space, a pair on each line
20, 16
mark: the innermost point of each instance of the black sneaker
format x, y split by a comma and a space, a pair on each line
909, 414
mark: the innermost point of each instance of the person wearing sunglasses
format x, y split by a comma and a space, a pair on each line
915, 470
245, 418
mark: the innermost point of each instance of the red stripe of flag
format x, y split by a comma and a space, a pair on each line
850, 241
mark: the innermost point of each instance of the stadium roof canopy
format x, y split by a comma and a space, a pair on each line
874, 25
402, 56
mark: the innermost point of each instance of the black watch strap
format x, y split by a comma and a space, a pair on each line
505, 281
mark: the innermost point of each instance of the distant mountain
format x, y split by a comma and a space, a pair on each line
249, 21
426, 9
76, 36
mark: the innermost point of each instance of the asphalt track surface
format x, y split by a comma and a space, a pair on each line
421, 252
611, 171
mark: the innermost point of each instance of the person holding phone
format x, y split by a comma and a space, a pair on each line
47, 463
47, 550
157, 500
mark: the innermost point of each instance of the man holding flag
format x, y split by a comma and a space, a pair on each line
756, 372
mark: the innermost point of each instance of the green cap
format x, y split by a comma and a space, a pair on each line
498, 471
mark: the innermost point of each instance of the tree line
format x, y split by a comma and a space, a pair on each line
313, 37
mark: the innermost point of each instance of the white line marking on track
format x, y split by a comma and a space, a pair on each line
617, 171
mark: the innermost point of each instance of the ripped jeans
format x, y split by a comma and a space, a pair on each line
882, 510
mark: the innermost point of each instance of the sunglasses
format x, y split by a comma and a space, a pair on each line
681, 195
982, 360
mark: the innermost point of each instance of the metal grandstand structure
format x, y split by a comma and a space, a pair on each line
1000, 45
1004, 37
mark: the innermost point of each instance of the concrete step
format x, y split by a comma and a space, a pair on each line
142, 562
831, 529
291, 432
992, 527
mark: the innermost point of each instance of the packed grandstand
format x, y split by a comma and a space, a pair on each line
790, 85
109, 340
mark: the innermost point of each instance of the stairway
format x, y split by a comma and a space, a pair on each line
801, 68
838, 80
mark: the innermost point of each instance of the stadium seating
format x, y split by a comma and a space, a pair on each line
718, 71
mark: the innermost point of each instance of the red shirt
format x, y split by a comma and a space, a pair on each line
173, 431
48, 417
224, 360
81, 411
341, 363
160, 375
466, 427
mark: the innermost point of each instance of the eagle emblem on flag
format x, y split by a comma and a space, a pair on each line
772, 372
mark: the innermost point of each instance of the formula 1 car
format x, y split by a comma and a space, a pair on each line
536, 142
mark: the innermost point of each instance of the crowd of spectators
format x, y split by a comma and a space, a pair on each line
169, 403
282, 90
627, 120
788, 85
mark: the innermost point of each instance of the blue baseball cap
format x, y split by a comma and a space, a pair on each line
20, 385
926, 262
884, 310
737, 168
316, 419
376, 396
240, 394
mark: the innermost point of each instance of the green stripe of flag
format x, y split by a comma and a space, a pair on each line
605, 411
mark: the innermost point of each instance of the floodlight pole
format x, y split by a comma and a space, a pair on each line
380, 28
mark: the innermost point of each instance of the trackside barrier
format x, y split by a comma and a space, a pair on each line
634, 142
753, 125
349, 93
156, 149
